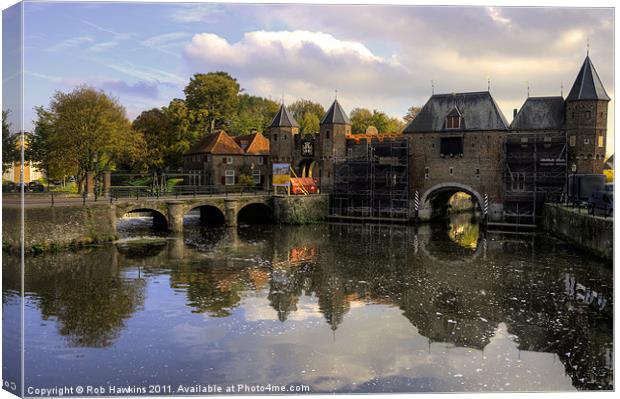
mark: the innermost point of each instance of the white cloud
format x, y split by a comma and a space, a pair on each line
195, 12
71, 43
300, 63
165, 39
99, 47
496, 16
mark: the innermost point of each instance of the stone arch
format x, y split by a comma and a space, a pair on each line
209, 214
160, 220
255, 212
448, 189
308, 168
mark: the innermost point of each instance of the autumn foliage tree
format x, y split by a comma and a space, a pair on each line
85, 131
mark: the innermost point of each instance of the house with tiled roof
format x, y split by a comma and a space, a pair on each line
220, 160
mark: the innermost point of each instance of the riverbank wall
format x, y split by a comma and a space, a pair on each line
56, 228
594, 234
301, 209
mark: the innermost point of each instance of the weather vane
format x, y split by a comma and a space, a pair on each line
432, 87
588, 46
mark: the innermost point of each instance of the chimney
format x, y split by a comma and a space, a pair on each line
514, 113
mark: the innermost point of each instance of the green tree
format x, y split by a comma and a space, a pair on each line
308, 114
361, 118
253, 113
213, 97
309, 123
10, 149
87, 131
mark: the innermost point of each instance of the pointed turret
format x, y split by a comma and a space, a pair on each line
282, 132
335, 115
588, 85
334, 128
283, 119
586, 121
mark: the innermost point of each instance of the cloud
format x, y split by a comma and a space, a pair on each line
70, 43
195, 12
165, 39
140, 89
311, 64
99, 47
496, 16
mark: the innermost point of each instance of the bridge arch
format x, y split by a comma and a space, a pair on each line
438, 195
160, 220
209, 214
255, 212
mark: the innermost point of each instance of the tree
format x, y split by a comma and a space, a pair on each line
361, 118
309, 123
10, 148
412, 112
87, 132
253, 113
40, 152
213, 97
308, 114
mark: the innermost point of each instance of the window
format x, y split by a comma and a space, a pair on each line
327, 134
601, 141
572, 140
572, 115
426, 173
453, 122
477, 173
230, 177
228, 160
451, 171
586, 141
275, 137
260, 160
588, 114
517, 181
451, 146
256, 176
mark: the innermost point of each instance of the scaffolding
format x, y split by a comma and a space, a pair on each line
534, 173
371, 183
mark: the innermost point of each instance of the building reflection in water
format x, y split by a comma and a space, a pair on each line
478, 297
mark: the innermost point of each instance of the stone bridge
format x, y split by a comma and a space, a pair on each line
169, 213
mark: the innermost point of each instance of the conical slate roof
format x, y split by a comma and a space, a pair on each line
335, 115
588, 85
283, 119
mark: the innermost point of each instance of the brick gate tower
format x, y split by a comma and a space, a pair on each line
333, 131
283, 130
586, 122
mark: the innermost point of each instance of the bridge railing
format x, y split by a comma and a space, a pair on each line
182, 191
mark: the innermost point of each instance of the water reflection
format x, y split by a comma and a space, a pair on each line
340, 307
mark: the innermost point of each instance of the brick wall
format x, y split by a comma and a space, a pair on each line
482, 151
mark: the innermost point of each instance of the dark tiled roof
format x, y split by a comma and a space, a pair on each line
540, 113
216, 143
335, 115
588, 85
478, 109
283, 119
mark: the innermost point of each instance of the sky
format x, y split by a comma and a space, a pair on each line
378, 57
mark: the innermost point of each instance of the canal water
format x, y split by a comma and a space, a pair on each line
335, 308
